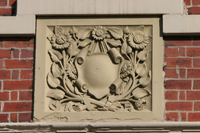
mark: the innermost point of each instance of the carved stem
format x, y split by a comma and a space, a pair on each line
92, 47
74, 36
128, 57
136, 51
130, 90
61, 65
64, 58
138, 61
98, 103
132, 100
63, 89
131, 57
107, 47
68, 88
137, 76
125, 90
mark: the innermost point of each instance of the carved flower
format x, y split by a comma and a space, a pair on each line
99, 33
138, 39
101, 36
60, 39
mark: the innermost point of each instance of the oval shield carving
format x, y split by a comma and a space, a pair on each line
98, 72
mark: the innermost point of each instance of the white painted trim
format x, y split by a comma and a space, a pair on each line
20, 25
65, 7
179, 24
24, 23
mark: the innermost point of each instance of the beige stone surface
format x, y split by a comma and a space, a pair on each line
27, 10
43, 66
181, 24
23, 25
55, 7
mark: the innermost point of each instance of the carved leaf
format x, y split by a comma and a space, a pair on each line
52, 81
115, 32
57, 53
139, 93
56, 70
141, 69
58, 30
84, 43
124, 48
56, 94
143, 55
82, 34
114, 43
128, 50
53, 56
145, 80
141, 28
54, 105
73, 49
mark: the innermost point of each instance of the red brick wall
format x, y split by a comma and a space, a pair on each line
182, 78
182, 74
16, 79
7, 7
193, 6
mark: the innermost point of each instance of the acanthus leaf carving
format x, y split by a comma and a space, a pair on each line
80, 77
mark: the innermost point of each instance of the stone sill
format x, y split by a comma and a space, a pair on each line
163, 127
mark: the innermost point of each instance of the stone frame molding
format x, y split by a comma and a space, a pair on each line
41, 112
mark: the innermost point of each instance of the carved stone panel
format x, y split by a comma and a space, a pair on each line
98, 70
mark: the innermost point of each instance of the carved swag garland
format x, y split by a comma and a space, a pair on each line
125, 48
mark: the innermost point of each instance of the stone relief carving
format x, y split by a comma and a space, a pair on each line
103, 68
